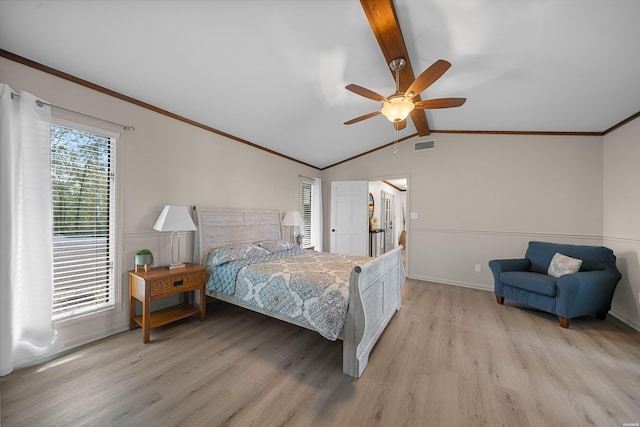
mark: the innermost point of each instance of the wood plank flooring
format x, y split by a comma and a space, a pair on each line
450, 357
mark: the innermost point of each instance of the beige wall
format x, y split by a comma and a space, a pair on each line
480, 197
164, 161
622, 216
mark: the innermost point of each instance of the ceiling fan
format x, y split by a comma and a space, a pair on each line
397, 106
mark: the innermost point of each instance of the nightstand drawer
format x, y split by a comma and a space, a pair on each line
177, 283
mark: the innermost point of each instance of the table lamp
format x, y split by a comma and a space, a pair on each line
174, 219
292, 219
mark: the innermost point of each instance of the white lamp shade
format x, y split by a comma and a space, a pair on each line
397, 108
292, 219
174, 218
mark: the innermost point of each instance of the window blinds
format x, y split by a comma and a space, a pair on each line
305, 210
83, 190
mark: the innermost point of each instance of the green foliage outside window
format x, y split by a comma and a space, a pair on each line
80, 165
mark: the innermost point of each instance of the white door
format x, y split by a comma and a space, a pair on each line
388, 218
349, 217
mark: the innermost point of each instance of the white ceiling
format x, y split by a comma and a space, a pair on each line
273, 72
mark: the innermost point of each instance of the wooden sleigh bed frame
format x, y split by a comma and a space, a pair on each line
374, 288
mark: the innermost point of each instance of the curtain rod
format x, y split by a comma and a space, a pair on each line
306, 177
40, 103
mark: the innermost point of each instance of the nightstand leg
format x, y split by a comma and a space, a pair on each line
132, 313
146, 319
203, 305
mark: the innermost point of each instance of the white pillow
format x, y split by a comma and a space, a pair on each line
562, 264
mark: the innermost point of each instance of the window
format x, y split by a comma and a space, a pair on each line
305, 210
83, 190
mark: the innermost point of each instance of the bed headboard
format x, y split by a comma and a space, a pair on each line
226, 226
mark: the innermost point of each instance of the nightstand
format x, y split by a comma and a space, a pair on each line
161, 282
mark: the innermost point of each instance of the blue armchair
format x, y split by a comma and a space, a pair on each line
587, 291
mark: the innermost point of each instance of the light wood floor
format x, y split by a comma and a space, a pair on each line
450, 357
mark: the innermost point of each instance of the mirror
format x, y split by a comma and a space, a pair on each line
371, 205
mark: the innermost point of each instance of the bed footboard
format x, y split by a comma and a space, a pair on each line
374, 297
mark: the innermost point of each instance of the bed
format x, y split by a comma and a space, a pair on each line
363, 293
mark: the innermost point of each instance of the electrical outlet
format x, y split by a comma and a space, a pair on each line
478, 268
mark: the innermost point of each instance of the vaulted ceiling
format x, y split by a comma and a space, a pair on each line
273, 72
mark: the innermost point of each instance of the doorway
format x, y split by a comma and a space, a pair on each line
353, 202
389, 212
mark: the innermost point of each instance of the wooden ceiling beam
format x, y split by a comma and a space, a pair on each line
386, 28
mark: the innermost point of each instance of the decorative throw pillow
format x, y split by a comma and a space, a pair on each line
276, 245
562, 264
233, 252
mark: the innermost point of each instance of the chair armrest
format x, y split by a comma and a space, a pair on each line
585, 292
498, 266
501, 265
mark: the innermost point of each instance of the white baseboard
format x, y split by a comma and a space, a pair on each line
626, 320
452, 282
91, 337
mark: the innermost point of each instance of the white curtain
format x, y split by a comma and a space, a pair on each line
316, 214
26, 327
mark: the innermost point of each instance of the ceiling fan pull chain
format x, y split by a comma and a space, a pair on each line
395, 144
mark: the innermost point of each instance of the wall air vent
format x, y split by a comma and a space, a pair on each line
428, 144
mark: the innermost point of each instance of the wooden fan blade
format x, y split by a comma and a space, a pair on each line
432, 104
400, 125
359, 90
428, 76
361, 118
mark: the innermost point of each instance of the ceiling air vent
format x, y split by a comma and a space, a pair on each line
429, 144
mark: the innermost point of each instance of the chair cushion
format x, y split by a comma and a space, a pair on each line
533, 282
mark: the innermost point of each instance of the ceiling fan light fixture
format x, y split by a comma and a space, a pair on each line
397, 108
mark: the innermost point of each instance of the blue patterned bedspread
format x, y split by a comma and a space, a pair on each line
309, 287
224, 275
